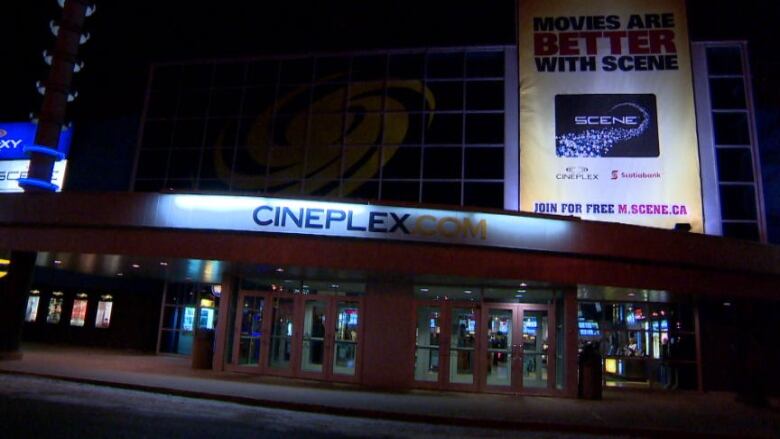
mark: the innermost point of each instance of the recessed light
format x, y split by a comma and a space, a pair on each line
726, 303
467, 291
280, 270
424, 290
135, 266
57, 261
334, 285
120, 274
164, 264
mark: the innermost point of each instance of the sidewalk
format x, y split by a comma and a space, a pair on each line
621, 412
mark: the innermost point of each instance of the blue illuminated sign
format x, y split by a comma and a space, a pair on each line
15, 136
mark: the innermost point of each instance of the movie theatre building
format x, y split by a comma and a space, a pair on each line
443, 218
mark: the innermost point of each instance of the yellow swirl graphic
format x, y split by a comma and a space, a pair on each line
307, 142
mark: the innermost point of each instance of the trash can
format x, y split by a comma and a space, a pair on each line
589, 385
203, 349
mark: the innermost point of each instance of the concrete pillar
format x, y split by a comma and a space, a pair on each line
15, 289
223, 329
388, 347
570, 342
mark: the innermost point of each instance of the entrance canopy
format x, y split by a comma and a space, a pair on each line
385, 240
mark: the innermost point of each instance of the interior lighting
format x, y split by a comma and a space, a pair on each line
164, 264
467, 291
120, 274
57, 262
135, 266
424, 290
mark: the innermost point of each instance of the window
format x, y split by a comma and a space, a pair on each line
103, 317
55, 308
229, 126
79, 312
728, 123
187, 307
31, 314
633, 336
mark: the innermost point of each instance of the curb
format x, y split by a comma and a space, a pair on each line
388, 415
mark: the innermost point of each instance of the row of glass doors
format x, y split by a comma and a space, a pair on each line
309, 336
495, 347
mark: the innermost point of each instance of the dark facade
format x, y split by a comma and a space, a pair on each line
428, 128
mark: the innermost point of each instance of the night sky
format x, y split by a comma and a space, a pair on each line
128, 36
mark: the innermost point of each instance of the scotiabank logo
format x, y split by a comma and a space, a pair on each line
606, 125
640, 175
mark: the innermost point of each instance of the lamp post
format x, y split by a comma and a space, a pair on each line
56, 95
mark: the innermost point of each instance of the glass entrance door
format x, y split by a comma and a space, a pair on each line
313, 336
330, 337
281, 337
446, 345
536, 348
250, 331
517, 355
502, 367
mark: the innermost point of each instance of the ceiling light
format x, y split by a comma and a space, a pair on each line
467, 291
120, 274
424, 290
135, 266
164, 264
523, 284
57, 261
280, 270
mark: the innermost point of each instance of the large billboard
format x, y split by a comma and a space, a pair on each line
15, 162
607, 122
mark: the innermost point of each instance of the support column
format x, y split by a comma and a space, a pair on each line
570, 342
697, 329
16, 286
223, 329
388, 335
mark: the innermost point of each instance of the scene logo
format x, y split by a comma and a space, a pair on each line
606, 125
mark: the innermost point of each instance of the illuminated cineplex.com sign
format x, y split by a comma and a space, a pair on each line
351, 220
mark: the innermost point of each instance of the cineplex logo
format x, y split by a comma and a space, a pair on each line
368, 222
576, 173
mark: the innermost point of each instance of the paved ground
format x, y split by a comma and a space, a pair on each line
622, 412
40, 407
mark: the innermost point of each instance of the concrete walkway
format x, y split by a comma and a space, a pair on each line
621, 412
